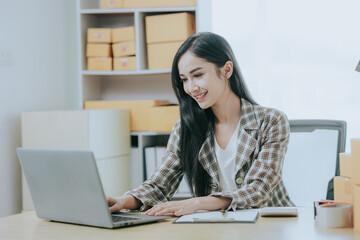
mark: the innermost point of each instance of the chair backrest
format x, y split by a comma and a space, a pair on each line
312, 159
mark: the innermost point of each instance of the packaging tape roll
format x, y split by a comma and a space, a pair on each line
334, 215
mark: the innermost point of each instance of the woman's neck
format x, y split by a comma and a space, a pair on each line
228, 109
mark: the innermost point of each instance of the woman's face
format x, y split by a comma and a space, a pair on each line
202, 80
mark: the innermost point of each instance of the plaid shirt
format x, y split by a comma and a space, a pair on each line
261, 146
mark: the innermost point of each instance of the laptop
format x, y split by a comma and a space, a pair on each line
65, 187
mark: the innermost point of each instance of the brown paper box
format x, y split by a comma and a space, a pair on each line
123, 49
99, 35
163, 118
98, 50
169, 27
355, 160
99, 64
345, 165
111, 3
161, 55
139, 110
123, 34
125, 63
158, 3
343, 190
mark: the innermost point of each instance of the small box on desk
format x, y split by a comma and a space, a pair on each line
123, 49
169, 27
99, 35
98, 50
343, 190
139, 110
161, 55
356, 189
163, 118
125, 63
123, 34
99, 64
345, 165
355, 160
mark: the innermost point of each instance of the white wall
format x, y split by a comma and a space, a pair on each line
297, 56
40, 37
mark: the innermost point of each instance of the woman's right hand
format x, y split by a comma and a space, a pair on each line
114, 204
123, 202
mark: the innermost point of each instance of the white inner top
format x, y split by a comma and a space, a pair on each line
226, 162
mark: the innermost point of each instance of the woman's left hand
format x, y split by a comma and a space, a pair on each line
178, 208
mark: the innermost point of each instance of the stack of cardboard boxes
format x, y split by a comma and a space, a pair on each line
123, 47
347, 185
164, 35
98, 49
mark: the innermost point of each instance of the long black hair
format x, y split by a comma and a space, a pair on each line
197, 123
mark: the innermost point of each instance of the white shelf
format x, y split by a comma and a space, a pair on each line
127, 73
133, 10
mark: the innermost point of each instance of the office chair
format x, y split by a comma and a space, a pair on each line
312, 159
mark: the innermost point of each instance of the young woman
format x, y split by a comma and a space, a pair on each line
230, 149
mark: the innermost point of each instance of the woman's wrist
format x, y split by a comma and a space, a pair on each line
128, 202
210, 203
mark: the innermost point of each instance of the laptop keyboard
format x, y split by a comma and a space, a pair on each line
122, 218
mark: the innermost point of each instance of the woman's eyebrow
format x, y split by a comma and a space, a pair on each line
195, 69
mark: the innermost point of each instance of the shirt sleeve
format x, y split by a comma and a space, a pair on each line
265, 172
164, 181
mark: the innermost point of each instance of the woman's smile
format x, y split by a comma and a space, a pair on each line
199, 97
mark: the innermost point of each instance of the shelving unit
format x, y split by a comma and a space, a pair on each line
139, 141
141, 84
125, 85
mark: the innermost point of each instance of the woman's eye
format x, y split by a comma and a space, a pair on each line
183, 79
197, 75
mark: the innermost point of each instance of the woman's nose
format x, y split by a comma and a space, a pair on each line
193, 87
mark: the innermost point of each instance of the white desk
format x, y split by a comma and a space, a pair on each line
28, 226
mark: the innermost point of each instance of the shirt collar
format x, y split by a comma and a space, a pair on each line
248, 119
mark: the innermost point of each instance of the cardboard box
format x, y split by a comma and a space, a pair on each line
158, 3
161, 55
169, 27
99, 35
98, 50
356, 207
124, 49
163, 118
343, 190
99, 64
111, 3
345, 165
125, 63
355, 160
139, 110
123, 34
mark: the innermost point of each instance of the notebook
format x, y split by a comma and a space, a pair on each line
65, 187
241, 216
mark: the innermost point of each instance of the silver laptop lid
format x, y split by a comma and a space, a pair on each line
65, 186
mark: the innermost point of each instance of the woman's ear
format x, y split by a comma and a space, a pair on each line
228, 69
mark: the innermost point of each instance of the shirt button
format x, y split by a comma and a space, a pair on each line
239, 180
